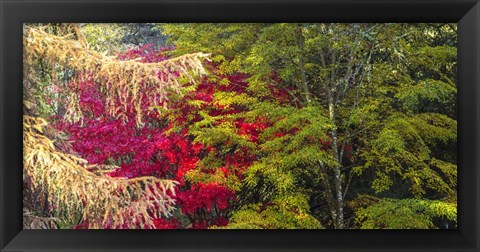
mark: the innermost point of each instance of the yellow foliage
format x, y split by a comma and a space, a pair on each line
102, 200
119, 79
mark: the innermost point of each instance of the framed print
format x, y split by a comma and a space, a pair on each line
230, 125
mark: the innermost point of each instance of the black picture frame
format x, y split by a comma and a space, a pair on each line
14, 13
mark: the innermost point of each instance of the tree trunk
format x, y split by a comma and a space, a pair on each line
337, 170
299, 41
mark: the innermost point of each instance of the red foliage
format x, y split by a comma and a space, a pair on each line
207, 197
166, 224
164, 148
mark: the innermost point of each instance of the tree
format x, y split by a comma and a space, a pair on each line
290, 125
349, 78
73, 191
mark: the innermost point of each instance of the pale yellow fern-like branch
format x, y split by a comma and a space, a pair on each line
102, 200
120, 80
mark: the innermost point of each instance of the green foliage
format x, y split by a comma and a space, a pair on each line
406, 214
285, 213
429, 96
104, 37
227, 99
223, 133
387, 91
409, 150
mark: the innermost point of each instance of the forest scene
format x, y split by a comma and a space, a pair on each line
239, 126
